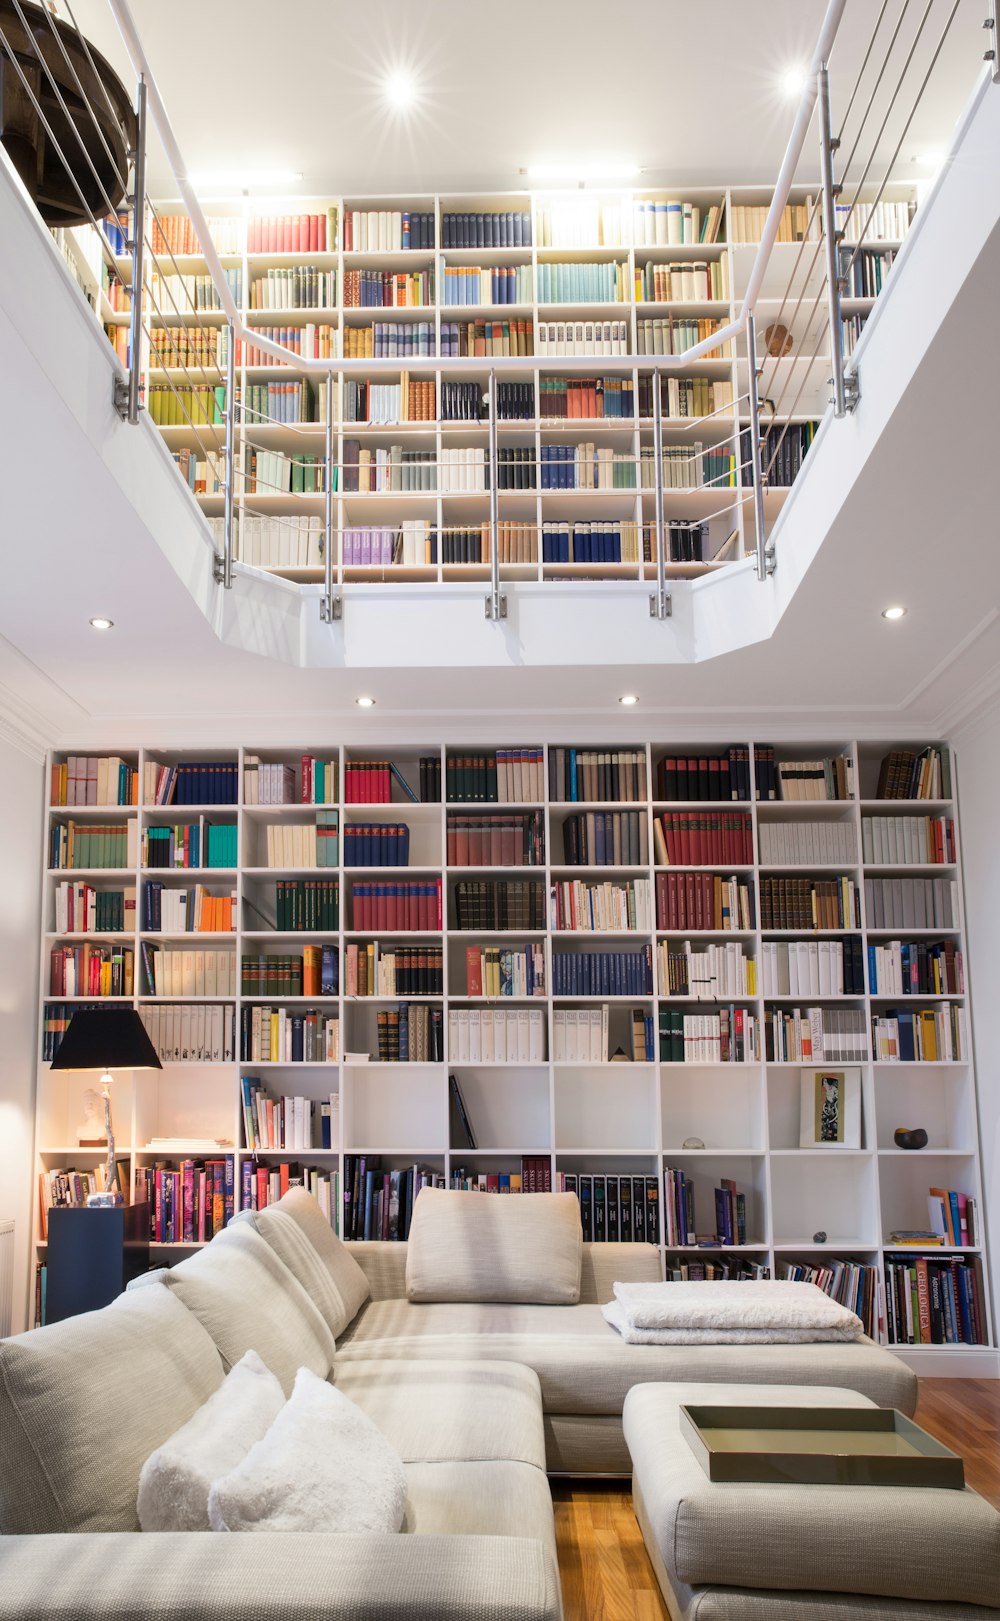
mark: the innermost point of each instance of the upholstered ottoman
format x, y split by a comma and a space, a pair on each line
801, 1553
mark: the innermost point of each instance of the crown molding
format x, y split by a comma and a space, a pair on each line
23, 731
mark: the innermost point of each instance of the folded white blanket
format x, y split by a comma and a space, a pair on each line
727, 1312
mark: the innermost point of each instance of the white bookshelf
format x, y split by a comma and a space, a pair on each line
630, 1118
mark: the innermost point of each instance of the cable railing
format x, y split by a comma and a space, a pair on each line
703, 487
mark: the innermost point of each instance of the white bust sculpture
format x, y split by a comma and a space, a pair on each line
91, 1128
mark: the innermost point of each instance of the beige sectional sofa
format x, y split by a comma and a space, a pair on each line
479, 1397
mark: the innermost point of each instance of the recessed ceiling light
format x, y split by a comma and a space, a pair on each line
364, 702
102, 624
401, 89
793, 81
929, 160
628, 699
582, 171
243, 179
895, 612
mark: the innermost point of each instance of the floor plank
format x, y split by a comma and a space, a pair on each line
606, 1574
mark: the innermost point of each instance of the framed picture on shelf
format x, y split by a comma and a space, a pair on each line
830, 1108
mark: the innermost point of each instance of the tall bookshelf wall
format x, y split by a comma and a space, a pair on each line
580, 1117
795, 386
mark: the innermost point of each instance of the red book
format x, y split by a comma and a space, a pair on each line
439, 905
473, 971
672, 901
687, 921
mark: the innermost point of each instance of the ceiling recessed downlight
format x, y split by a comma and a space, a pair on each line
793, 81
364, 702
628, 699
400, 90
893, 612
100, 623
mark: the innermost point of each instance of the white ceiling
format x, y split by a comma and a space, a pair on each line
689, 92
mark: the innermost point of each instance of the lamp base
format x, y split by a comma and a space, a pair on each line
104, 1201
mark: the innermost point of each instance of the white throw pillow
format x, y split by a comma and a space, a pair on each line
176, 1478
322, 1466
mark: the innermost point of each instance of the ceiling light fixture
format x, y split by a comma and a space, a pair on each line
243, 179
581, 172
793, 81
99, 623
628, 699
895, 612
401, 89
365, 702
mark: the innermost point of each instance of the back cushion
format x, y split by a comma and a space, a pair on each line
300, 1234
84, 1402
481, 1246
248, 1300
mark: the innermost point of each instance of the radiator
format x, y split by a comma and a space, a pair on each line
6, 1277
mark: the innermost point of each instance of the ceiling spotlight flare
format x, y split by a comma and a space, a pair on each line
400, 90
793, 81
364, 702
628, 699
579, 172
243, 179
895, 612
100, 623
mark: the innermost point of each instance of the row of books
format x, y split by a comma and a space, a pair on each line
410, 1035
883, 221
809, 903
271, 472
815, 1035
685, 396
853, 1283
386, 469
932, 1301
515, 839
189, 1204
730, 1035
953, 1216
712, 838
190, 844
503, 776
812, 967
691, 281
380, 970
783, 450
401, 906
672, 335
188, 972
272, 782
920, 1035
377, 1203
494, 1035
385, 230
279, 543
181, 406
602, 973
800, 222
799, 843
190, 782
91, 970
289, 1121
590, 774
713, 974
866, 273
385, 289
704, 777
55, 1021
486, 230
308, 904
907, 774
584, 399
83, 779
664, 222
388, 340
604, 282
315, 340
376, 844
615, 1209
920, 968
278, 1035
498, 284
369, 782
303, 844
295, 403
911, 903
178, 293
191, 1033
67, 1189
703, 901
499, 903
908, 840
535, 1176
202, 475
585, 466
679, 1223
167, 910
496, 971
516, 543
175, 233
601, 907
606, 839
294, 287
487, 338
579, 338
689, 467
316, 972
292, 233
82, 909
608, 540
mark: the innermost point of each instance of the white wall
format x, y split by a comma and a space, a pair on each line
21, 818
977, 750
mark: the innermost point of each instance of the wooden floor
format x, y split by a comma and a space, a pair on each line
605, 1573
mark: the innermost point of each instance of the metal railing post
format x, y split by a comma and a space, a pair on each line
660, 606
127, 397
831, 242
496, 602
330, 604
765, 553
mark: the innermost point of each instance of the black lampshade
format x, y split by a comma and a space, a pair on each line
106, 1038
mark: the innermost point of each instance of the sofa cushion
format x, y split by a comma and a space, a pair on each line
246, 1297
585, 1367
84, 1402
435, 1412
897, 1542
322, 1466
500, 1499
467, 1246
177, 1478
300, 1235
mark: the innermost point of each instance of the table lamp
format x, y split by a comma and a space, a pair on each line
106, 1039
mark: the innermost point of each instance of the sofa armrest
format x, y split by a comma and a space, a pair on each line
295, 1576
607, 1264
384, 1265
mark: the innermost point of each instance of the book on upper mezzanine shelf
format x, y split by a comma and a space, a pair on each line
908, 774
